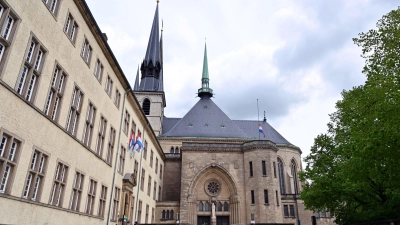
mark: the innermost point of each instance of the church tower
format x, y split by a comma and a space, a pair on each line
149, 88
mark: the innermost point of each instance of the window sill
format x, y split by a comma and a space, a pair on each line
266, 204
264, 176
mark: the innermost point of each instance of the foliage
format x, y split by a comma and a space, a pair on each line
353, 171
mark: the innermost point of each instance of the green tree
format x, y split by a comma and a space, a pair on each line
353, 170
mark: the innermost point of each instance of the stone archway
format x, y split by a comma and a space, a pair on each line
213, 185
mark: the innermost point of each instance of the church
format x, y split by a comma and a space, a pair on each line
69, 116
217, 170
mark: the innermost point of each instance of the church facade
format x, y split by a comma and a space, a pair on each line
219, 171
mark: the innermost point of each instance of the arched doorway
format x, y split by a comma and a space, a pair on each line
213, 198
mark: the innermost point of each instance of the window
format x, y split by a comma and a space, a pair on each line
98, 71
87, 131
251, 168
9, 154
147, 214
288, 211
76, 192
219, 206
156, 170
274, 165
277, 198
126, 122
149, 186
142, 180
122, 160
60, 180
154, 190
201, 207
31, 69
110, 148
102, 201
75, 111
117, 98
207, 207
146, 106
160, 172
139, 217
294, 174
71, 28
145, 150
8, 26
281, 176
109, 86
176, 150
135, 169
266, 197
252, 197
226, 207
54, 98
37, 171
101, 136
53, 6
86, 51
91, 197
151, 158
172, 149
152, 215
132, 208
264, 168
159, 193
115, 204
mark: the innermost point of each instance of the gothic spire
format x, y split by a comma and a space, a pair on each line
153, 47
136, 87
152, 63
205, 90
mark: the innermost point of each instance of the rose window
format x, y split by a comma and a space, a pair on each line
213, 187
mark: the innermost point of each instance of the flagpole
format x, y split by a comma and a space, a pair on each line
140, 173
258, 119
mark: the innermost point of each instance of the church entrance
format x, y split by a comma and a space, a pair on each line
203, 220
222, 220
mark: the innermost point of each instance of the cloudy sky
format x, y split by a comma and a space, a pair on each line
294, 56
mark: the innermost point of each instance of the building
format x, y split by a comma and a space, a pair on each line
67, 117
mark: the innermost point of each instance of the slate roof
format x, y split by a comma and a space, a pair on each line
205, 119
153, 47
199, 116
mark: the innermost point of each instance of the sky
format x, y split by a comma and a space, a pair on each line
294, 56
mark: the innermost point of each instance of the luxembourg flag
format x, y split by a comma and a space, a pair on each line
260, 129
131, 141
138, 143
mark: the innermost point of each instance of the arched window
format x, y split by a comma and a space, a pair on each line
219, 206
171, 214
163, 214
167, 214
201, 206
172, 150
226, 207
294, 174
176, 150
281, 176
146, 106
207, 207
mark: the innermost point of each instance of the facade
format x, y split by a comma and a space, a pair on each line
67, 117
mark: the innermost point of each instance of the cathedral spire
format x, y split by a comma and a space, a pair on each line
136, 87
152, 63
205, 90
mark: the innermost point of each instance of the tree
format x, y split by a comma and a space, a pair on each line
353, 170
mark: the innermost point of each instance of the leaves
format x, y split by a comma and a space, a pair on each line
353, 170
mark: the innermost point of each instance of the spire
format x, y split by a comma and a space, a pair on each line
153, 47
205, 90
152, 63
136, 87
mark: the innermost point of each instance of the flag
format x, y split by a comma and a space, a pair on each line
260, 129
131, 142
138, 143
